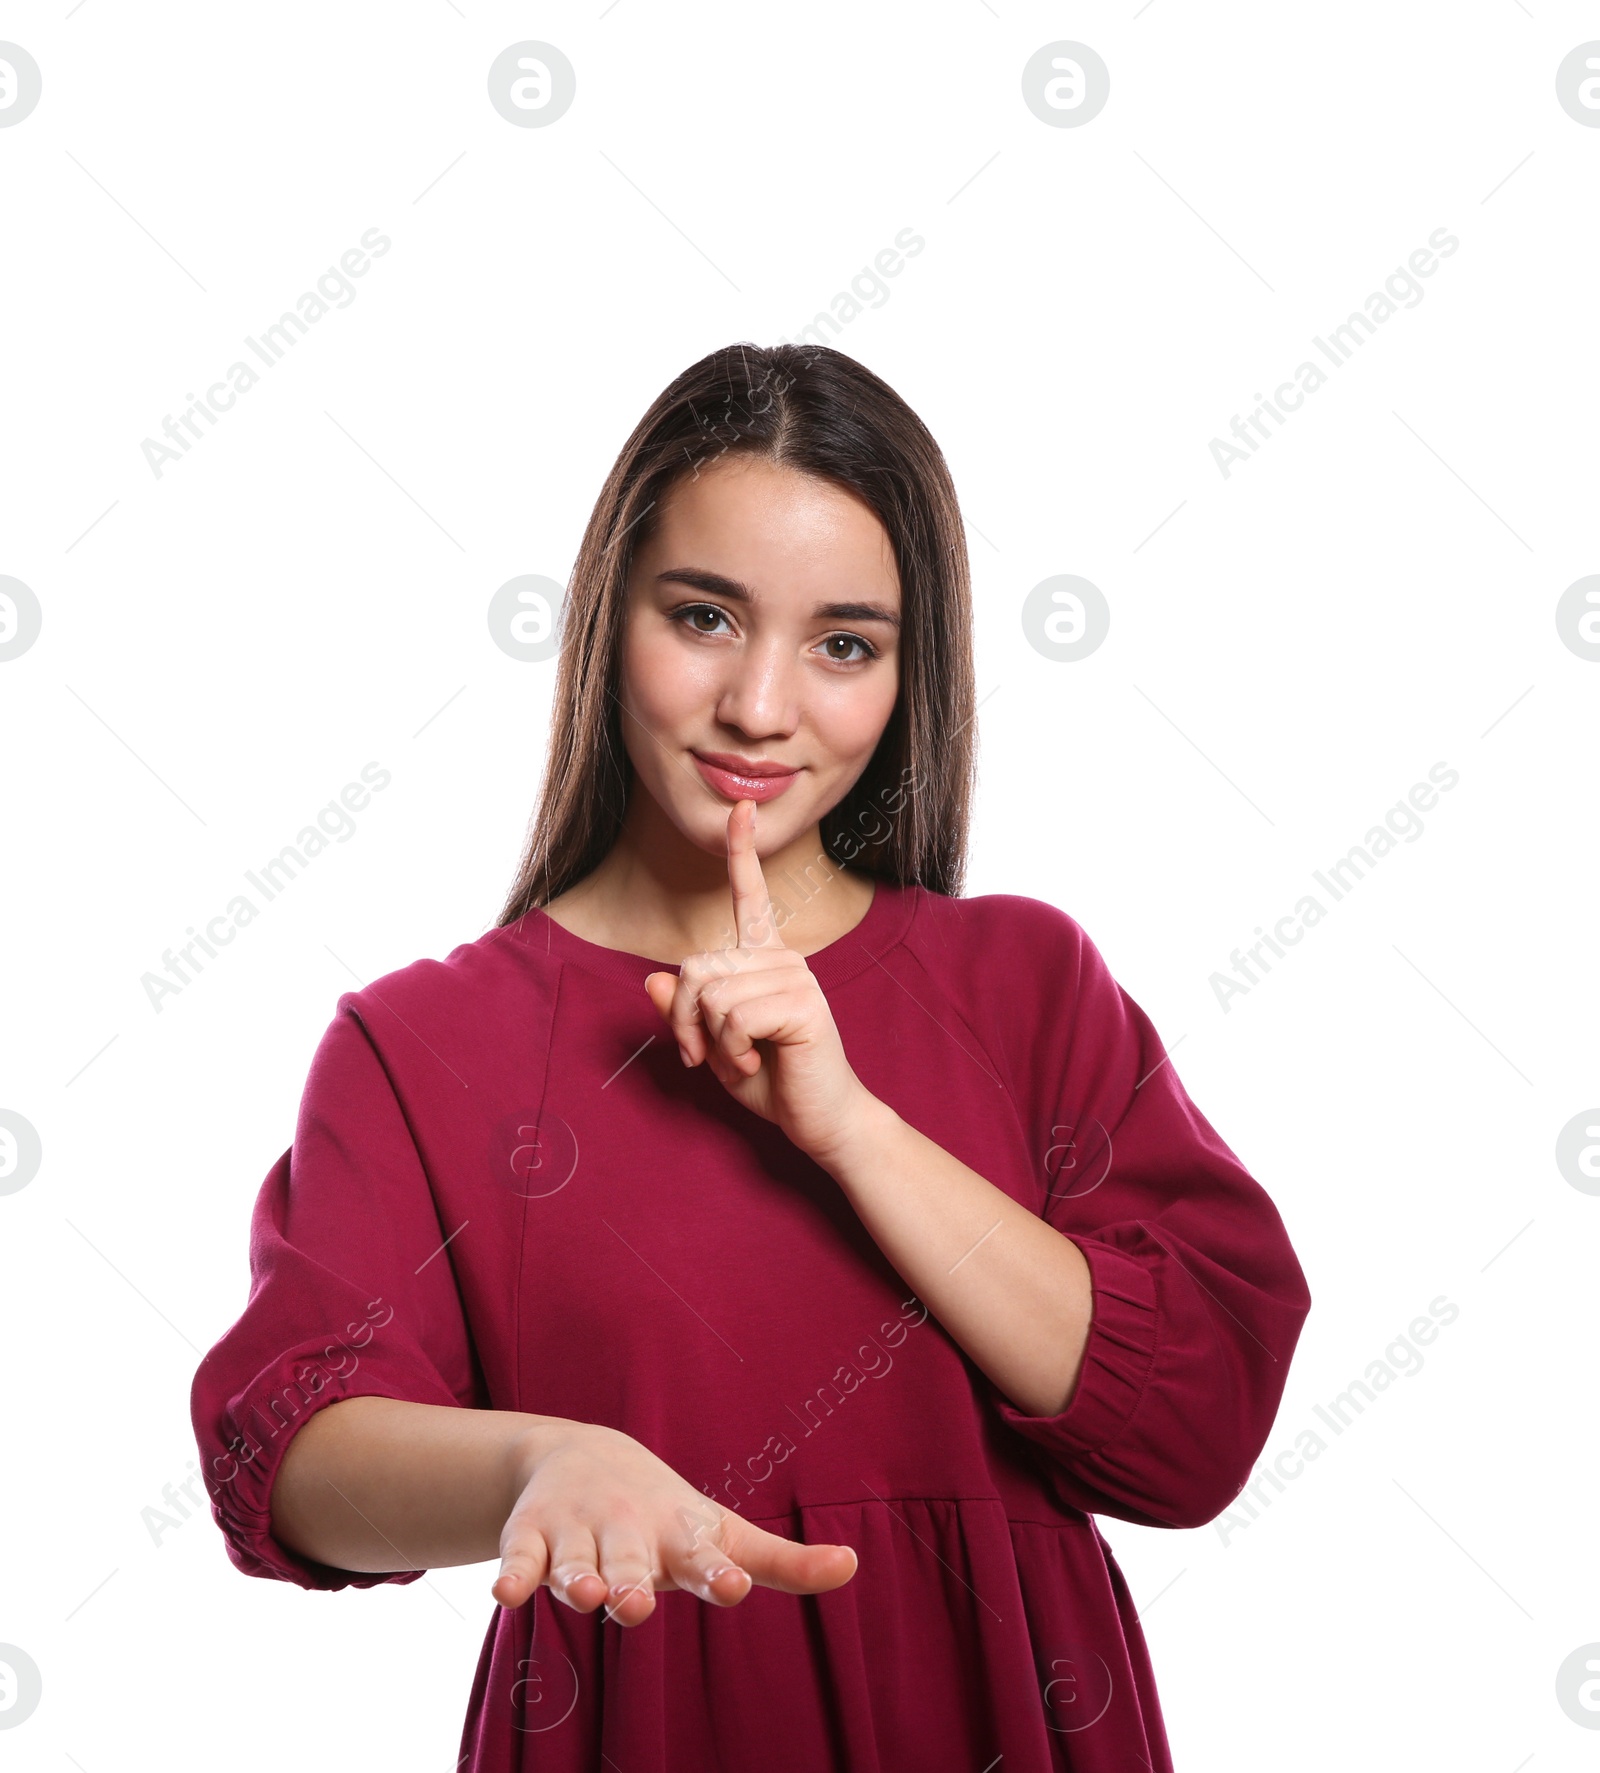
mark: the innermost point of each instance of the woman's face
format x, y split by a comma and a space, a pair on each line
762, 632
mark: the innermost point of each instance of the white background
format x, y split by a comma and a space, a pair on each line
1291, 648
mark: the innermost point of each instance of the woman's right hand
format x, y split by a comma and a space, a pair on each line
602, 1520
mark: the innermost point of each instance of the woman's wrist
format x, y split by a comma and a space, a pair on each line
871, 1128
531, 1440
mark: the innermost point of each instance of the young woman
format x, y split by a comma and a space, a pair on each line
774, 1257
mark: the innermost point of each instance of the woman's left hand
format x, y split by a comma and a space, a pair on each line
757, 1016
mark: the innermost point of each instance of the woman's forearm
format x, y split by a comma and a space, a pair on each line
1011, 1290
378, 1484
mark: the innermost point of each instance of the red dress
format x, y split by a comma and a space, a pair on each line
505, 1191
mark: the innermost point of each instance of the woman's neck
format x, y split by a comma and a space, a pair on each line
666, 899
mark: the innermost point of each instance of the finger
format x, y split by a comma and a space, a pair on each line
688, 1013
711, 1574
685, 1017
752, 908
524, 1561
786, 1564
659, 988
736, 975
574, 1570
698, 1562
737, 1026
630, 1584
667, 993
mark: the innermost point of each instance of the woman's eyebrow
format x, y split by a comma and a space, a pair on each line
719, 586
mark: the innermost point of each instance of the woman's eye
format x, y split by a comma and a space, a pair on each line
868, 650
691, 612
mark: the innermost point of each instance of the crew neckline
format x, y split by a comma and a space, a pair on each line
882, 925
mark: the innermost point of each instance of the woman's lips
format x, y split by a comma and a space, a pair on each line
736, 787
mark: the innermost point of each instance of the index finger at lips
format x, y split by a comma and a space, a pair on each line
752, 908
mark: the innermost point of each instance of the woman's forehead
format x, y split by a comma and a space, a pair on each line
766, 527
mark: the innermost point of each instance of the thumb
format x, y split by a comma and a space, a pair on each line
792, 1566
662, 987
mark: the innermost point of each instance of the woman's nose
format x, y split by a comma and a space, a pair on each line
761, 693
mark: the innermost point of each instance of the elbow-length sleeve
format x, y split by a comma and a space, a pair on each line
351, 1295
1198, 1297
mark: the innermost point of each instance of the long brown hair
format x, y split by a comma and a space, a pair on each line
820, 412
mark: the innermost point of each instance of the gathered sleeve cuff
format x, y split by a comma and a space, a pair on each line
353, 1294
1117, 1361
1198, 1297
248, 1437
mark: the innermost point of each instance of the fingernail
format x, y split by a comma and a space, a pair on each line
683, 1053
